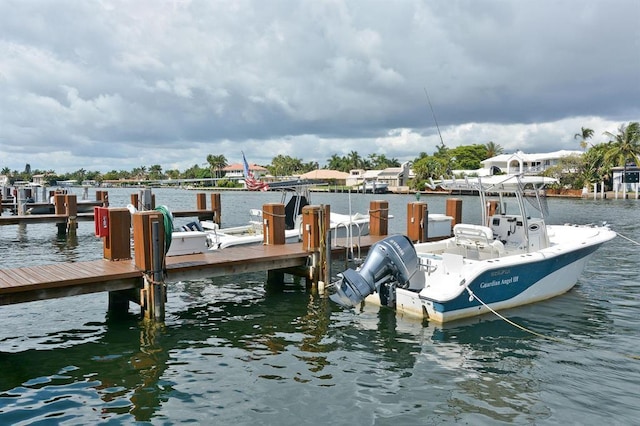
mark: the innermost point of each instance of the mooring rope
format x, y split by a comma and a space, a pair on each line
627, 238
168, 226
535, 333
265, 213
523, 328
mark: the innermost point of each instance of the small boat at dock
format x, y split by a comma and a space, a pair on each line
510, 259
198, 237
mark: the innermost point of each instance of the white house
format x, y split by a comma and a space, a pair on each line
530, 164
396, 176
392, 176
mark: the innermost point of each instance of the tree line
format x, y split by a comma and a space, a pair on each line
594, 165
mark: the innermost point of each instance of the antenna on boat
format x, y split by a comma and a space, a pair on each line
434, 116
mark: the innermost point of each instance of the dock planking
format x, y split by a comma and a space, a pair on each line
18, 285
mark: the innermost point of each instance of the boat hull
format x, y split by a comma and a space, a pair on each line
516, 285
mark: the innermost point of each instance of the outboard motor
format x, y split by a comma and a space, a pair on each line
391, 262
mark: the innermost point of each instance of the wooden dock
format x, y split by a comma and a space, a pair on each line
142, 278
40, 282
67, 215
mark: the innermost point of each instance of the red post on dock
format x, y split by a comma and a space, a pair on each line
417, 216
117, 243
378, 217
454, 209
273, 224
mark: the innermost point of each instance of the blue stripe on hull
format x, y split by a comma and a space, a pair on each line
504, 283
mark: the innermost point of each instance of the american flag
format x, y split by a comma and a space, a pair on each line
251, 182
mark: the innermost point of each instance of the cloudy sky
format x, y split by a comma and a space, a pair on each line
114, 85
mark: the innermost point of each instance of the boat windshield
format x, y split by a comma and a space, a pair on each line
529, 188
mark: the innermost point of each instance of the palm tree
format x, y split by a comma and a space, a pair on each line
493, 149
625, 147
335, 162
139, 173
217, 163
355, 161
585, 133
596, 165
155, 172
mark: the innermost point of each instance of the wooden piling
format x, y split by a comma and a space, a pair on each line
216, 207
103, 197
60, 209
311, 227
22, 201
71, 211
314, 240
378, 217
134, 201
273, 225
454, 209
148, 239
117, 244
201, 204
417, 226
201, 201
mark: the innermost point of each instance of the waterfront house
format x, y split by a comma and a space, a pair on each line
396, 176
333, 177
236, 171
520, 162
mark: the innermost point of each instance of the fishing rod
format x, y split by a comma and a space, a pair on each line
434, 116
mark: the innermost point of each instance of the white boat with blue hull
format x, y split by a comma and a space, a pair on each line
510, 260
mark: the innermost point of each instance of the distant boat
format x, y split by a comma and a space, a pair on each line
83, 206
510, 259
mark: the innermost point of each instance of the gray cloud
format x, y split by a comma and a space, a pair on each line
116, 85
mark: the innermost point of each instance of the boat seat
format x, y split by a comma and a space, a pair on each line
477, 235
192, 226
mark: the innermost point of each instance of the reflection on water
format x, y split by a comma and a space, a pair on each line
118, 373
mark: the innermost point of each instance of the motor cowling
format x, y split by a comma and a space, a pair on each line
392, 260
